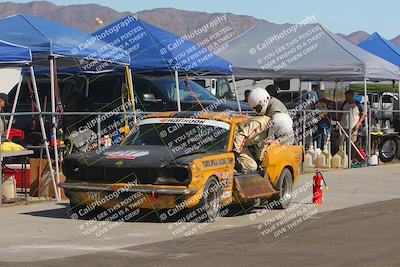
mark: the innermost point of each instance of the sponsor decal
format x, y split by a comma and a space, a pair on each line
130, 154
215, 162
183, 121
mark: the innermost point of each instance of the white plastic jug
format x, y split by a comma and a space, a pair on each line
374, 161
10, 188
323, 159
309, 158
337, 159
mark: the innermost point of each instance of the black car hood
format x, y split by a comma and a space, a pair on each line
133, 156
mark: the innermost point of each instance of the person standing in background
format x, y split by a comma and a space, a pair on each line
324, 124
3, 109
356, 114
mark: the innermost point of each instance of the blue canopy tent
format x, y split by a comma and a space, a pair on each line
153, 50
15, 55
49, 41
379, 46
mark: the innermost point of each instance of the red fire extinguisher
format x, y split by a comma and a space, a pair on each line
318, 179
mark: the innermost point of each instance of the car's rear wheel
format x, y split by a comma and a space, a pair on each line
284, 186
210, 203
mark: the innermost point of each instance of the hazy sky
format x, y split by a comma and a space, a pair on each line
343, 16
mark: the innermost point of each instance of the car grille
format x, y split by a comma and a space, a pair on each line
119, 175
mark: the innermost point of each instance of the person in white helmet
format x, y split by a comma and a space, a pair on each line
264, 104
254, 135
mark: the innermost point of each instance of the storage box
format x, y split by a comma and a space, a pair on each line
43, 187
16, 171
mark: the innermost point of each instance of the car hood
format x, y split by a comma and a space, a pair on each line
134, 156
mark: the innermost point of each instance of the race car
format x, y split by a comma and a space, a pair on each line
178, 161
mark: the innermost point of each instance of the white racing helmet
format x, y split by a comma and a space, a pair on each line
258, 100
282, 128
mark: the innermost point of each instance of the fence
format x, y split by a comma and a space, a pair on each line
302, 121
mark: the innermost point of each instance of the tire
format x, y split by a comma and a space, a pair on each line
398, 148
388, 149
285, 188
210, 203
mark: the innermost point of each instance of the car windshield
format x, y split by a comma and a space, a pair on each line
188, 90
183, 136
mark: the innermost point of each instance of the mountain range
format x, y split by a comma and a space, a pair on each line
89, 17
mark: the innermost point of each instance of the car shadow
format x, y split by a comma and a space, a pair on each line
140, 216
59, 213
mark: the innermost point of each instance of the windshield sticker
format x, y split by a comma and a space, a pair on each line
213, 123
131, 154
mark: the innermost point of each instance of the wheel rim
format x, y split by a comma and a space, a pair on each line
388, 149
212, 201
286, 190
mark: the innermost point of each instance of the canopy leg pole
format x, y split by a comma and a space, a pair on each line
14, 107
236, 93
54, 124
302, 117
130, 85
178, 94
366, 117
43, 130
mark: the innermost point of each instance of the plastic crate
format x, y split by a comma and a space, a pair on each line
16, 171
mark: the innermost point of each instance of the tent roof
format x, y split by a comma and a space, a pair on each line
381, 47
14, 54
309, 52
46, 38
154, 49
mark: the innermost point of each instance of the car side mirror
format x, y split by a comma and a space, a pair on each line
151, 98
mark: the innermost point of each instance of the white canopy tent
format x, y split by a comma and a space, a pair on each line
309, 52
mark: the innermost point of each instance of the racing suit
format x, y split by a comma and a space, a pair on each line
275, 106
251, 133
285, 134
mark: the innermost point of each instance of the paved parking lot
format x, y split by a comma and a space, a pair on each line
44, 233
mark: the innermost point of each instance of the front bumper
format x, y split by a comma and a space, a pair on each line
148, 189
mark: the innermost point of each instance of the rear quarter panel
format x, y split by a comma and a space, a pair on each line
279, 157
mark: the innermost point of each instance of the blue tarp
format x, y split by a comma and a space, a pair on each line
382, 48
157, 50
46, 38
14, 54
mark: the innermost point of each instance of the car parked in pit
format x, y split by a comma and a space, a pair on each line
179, 160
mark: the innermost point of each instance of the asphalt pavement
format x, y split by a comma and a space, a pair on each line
357, 225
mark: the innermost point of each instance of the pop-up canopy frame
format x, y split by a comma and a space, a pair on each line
155, 50
320, 55
12, 55
50, 42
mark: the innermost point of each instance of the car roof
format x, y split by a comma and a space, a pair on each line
229, 117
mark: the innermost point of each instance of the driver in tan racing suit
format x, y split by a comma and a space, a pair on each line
252, 133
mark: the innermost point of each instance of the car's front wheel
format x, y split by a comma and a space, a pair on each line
210, 203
